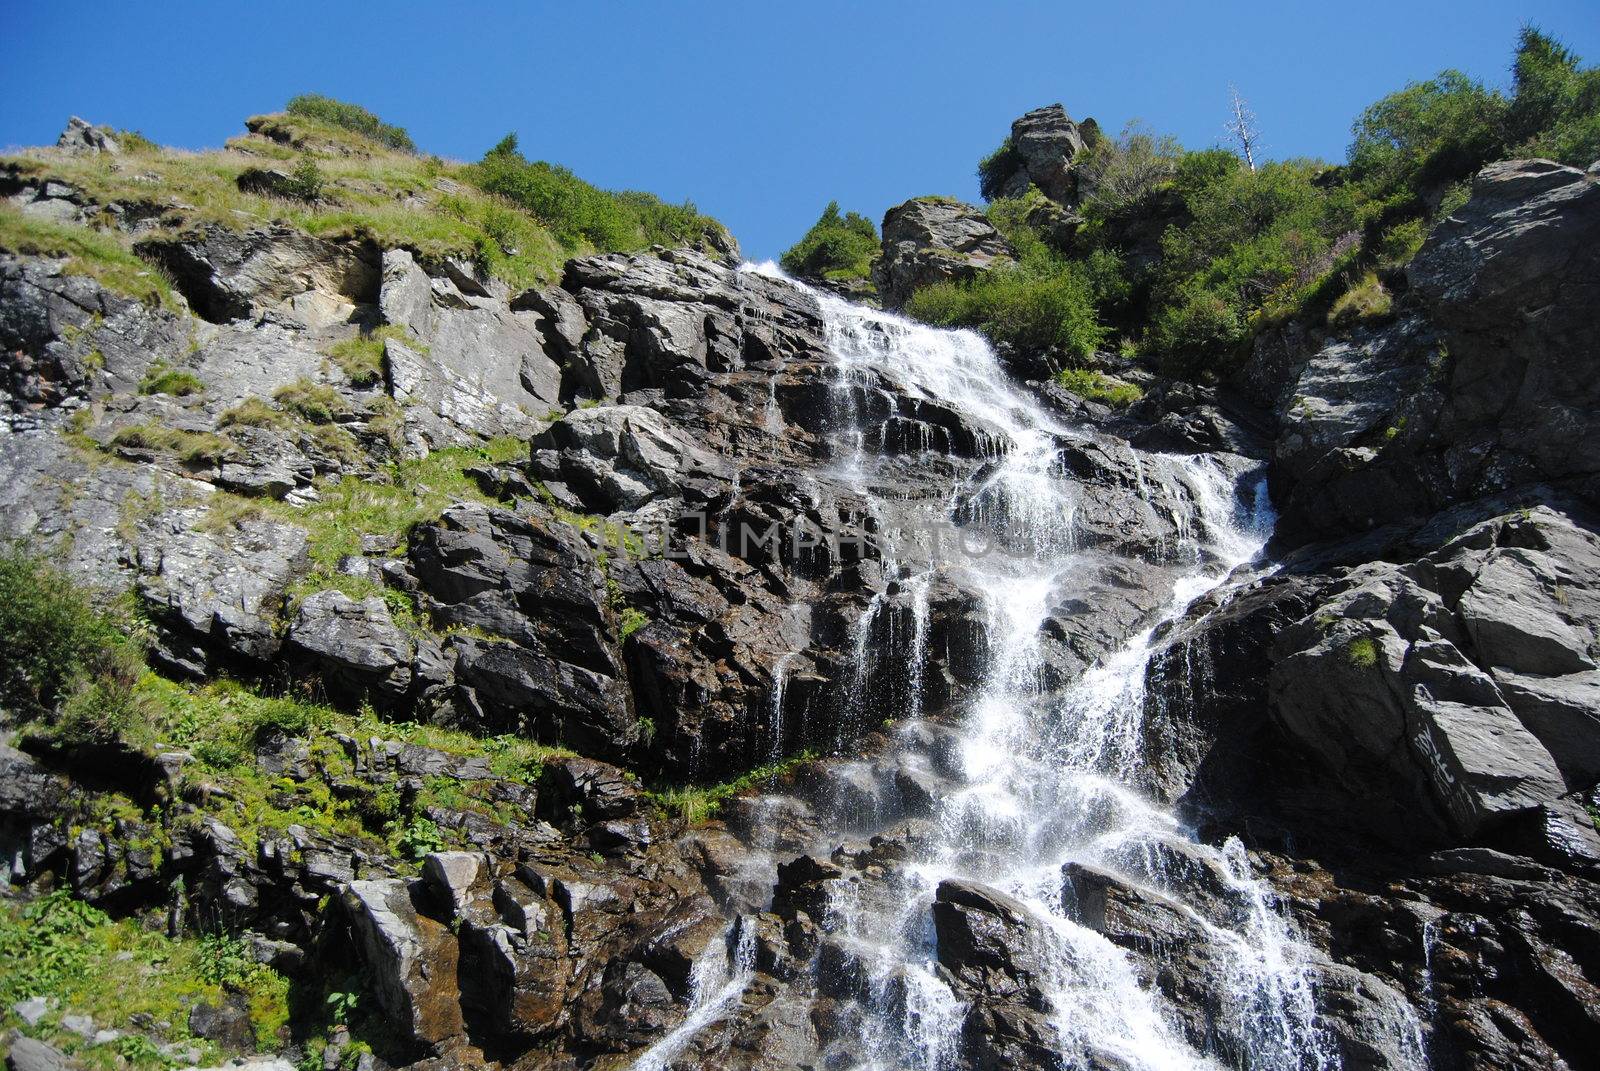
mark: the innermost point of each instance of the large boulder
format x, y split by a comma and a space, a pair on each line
411, 959
354, 648
1459, 685
83, 138
668, 322
617, 457
933, 240
1045, 143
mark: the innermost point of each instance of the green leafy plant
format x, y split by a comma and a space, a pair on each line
306, 181
836, 247
342, 1005
63, 661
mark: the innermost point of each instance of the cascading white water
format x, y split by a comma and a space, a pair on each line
716, 982
1047, 780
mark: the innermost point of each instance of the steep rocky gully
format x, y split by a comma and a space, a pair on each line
1251, 727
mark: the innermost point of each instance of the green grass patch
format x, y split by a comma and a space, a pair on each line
189, 447
694, 804
580, 215
1365, 302
1098, 387
178, 382
252, 413
1362, 652
99, 255
315, 403
114, 971
361, 358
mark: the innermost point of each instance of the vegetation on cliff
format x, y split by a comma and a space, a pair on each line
1187, 255
836, 247
346, 173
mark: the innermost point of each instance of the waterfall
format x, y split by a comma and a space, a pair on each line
717, 980
1049, 780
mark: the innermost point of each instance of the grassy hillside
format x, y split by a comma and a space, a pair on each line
352, 174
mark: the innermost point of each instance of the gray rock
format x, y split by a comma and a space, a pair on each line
28, 1054
1486, 388
1046, 142
354, 647
33, 1009
617, 457
65, 336
481, 369
453, 876
931, 240
1393, 667
82, 138
228, 275
216, 592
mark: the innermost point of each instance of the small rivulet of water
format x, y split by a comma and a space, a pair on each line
1046, 778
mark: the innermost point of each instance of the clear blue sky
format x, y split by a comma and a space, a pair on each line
760, 112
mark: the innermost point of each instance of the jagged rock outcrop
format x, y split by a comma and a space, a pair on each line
933, 240
1486, 386
83, 138
1045, 143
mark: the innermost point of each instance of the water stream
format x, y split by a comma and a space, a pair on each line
1048, 779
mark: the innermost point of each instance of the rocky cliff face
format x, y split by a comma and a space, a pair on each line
665, 535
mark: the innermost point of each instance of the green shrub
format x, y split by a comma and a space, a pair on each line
161, 379
1195, 332
1033, 310
351, 117
306, 181
1398, 244
1556, 108
836, 247
1120, 172
996, 169
578, 213
1427, 134
62, 661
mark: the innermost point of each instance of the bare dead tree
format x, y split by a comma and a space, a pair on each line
1242, 127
